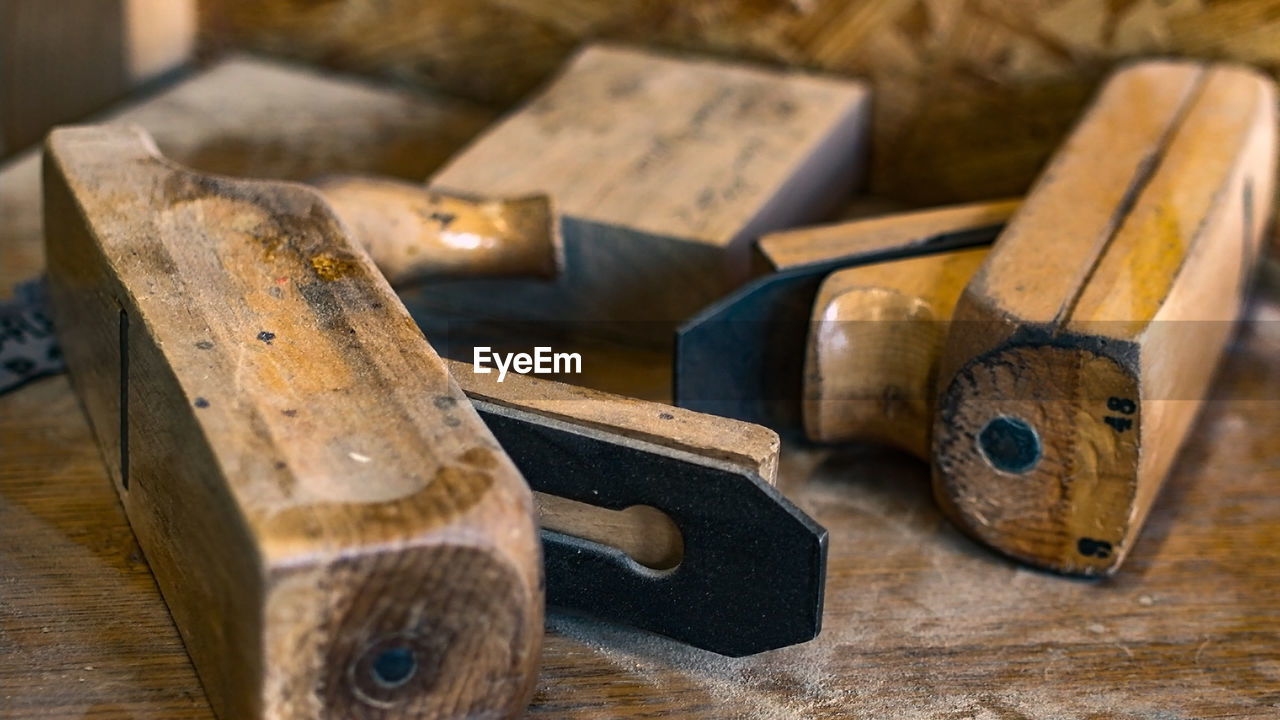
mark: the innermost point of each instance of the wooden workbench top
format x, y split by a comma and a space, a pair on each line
920, 622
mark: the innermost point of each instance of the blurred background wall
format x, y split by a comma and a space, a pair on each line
61, 60
971, 95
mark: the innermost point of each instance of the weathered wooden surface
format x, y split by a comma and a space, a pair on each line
664, 168
1078, 354
920, 621
287, 446
970, 96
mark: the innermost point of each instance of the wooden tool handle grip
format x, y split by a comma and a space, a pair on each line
334, 529
872, 356
414, 234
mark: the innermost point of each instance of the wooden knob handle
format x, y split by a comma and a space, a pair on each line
414, 234
876, 330
1084, 346
334, 529
872, 356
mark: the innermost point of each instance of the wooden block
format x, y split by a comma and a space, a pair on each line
871, 360
1084, 346
665, 170
334, 529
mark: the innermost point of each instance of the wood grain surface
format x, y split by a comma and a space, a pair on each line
309, 485
664, 169
787, 249
920, 621
415, 235
1078, 353
970, 95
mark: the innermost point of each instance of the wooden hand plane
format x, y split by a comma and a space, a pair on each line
1082, 349
1117, 295
1162, 194
334, 529
662, 540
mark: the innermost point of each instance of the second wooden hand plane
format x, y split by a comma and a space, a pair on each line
719, 558
1081, 351
872, 329
875, 337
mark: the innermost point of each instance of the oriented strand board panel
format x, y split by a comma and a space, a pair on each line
665, 169
1007, 77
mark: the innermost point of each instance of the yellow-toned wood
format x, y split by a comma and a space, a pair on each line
334, 529
665, 168
876, 333
414, 234
1190, 630
1086, 191
702, 169
161, 35
871, 360
1083, 348
787, 249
